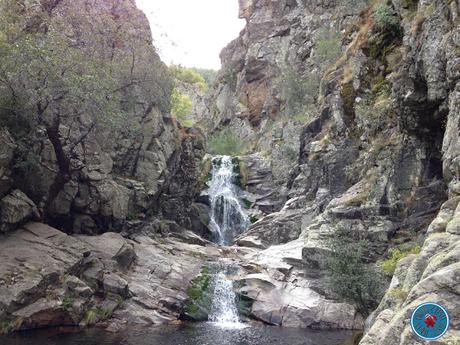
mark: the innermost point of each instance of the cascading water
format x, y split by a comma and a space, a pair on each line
223, 310
227, 220
227, 216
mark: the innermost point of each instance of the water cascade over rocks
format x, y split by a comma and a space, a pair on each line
228, 218
224, 311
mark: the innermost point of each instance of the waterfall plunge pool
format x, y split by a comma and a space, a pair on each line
228, 219
182, 334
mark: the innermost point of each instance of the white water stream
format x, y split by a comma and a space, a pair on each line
228, 220
224, 312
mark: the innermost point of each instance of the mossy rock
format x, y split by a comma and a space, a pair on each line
199, 299
241, 171
9, 325
206, 172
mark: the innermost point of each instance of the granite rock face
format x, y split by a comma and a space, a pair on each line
48, 278
115, 173
375, 143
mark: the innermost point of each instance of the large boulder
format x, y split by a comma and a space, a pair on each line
16, 208
281, 294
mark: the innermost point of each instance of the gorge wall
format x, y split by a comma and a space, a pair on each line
348, 115
365, 95
89, 158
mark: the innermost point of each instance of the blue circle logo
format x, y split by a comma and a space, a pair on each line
430, 321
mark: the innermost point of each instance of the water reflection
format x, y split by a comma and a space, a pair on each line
184, 334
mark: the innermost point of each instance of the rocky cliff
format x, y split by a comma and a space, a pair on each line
96, 148
346, 117
365, 97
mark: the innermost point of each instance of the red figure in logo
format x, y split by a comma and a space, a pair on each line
430, 320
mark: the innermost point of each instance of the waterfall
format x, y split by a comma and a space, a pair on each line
227, 216
224, 312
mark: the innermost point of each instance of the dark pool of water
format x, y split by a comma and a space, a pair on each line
184, 334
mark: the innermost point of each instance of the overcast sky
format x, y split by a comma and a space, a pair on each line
192, 32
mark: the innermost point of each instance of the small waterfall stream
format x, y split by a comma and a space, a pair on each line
228, 218
224, 311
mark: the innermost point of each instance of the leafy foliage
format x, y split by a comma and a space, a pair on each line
209, 75
226, 142
84, 70
6, 326
385, 18
188, 75
181, 106
389, 266
352, 279
91, 316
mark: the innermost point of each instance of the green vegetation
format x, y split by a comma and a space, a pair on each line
189, 76
226, 142
385, 18
91, 317
253, 219
88, 73
241, 172
327, 46
298, 91
96, 314
352, 279
199, 298
389, 265
398, 293
6, 326
209, 75
181, 107
68, 302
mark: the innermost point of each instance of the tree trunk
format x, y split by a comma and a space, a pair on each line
63, 161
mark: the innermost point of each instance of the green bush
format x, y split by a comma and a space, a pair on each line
385, 18
188, 75
181, 107
227, 143
209, 75
389, 266
352, 279
298, 92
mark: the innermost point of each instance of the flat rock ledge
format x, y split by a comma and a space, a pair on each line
48, 278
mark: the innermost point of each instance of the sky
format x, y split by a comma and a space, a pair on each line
192, 32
